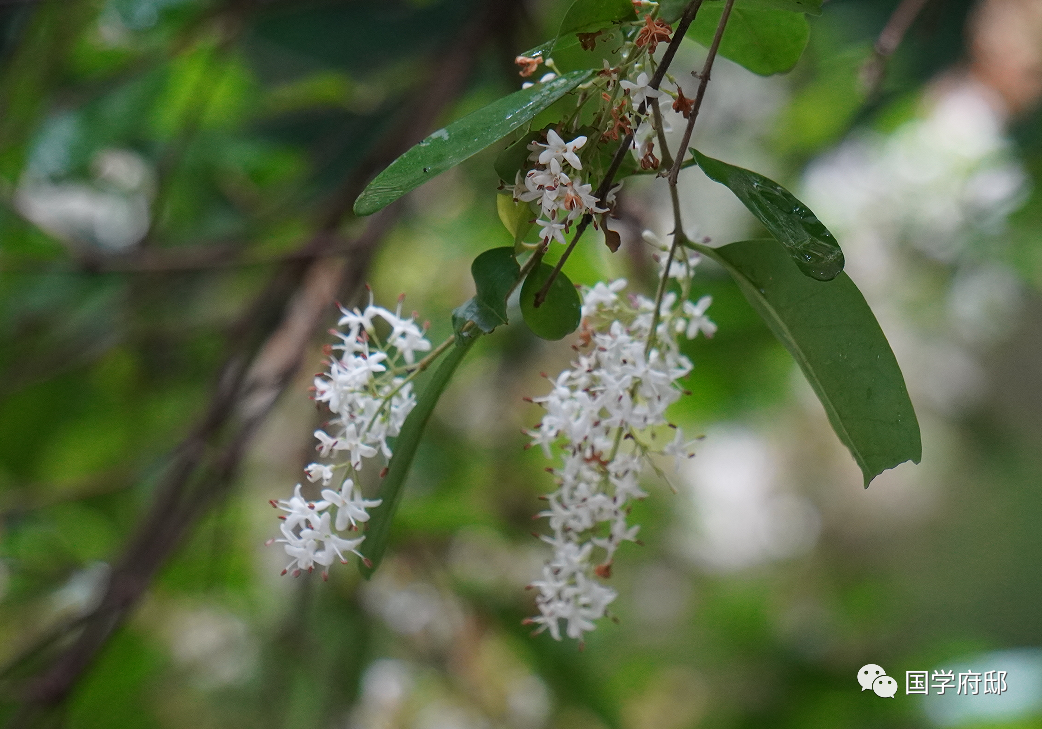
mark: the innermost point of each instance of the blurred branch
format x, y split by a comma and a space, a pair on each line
264, 353
186, 259
874, 70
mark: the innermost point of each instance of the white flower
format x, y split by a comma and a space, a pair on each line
325, 443
551, 230
351, 440
408, 339
297, 509
351, 507
556, 147
370, 399
319, 472
642, 138
602, 295
600, 415
639, 91
699, 322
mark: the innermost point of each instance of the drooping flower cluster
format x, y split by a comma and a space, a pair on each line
368, 390
605, 417
562, 197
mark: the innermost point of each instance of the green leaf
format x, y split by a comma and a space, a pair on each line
831, 333
586, 16
811, 7
671, 10
808, 241
378, 532
496, 273
514, 158
463, 138
516, 217
559, 315
763, 39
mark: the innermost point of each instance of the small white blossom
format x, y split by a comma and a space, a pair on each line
640, 92
556, 147
600, 416
368, 392
562, 197
319, 472
699, 322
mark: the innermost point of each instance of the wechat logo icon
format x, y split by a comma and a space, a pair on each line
874, 677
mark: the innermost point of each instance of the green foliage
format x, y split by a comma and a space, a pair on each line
764, 39
587, 16
496, 274
465, 137
514, 158
516, 217
378, 531
250, 119
834, 338
671, 10
559, 314
809, 243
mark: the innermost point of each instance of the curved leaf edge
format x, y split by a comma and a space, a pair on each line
779, 328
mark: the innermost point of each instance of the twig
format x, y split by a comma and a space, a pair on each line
679, 236
620, 154
189, 259
890, 38
264, 354
703, 81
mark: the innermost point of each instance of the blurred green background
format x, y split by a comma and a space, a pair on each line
175, 185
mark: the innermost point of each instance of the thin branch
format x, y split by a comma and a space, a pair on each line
620, 154
703, 81
189, 259
889, 40
264, 353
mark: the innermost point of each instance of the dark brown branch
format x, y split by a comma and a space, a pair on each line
189, 259
264, 353
620, 154
703, 82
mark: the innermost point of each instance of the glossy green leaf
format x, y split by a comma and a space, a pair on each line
808, 241
378, 531
496, 273
671, 10
765, 40
831, 333
586, 16
463, 138
514, 158
559, 315
516, 216
810, 7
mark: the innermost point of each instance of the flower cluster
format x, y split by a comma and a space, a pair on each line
562, 197
604, 417
368, 390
